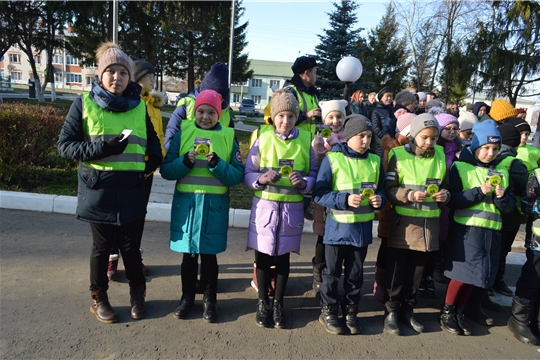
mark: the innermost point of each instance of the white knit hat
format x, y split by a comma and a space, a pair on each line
332, 105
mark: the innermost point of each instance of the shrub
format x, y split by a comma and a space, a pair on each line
28, 136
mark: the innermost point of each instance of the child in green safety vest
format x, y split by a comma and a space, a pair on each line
481, 190
350, 186
416, 185
205, 161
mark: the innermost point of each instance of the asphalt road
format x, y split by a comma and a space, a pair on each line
44, 308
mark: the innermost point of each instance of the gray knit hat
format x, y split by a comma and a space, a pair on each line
140, 68
422, 122
283, 100
405, 98
355, 124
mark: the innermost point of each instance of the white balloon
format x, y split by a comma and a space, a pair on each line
349, 69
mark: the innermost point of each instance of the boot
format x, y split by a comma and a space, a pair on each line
349, 312
210, 309
317, 277
473, 308
520, 321
138, 306
112, 268
429, 285
460, 318
448, 321
487, 303
406, 316
329, 318
421, 292
278, 314
182, 310
501, 287
379, 289
391, 320
263, 310
102, 308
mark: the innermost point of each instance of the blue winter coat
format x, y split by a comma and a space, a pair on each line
199, 222
355, 234
472, 253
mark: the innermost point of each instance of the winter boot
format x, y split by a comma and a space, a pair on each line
138, 306
379, 289
145, 270
112, 268
520, 321
210, 309
460, 318
263, 310
406, 316
421, 292
329, 318
473, 308
102, 308
448, 320
391, 320
186, 303
278, 314
501, 287
350, 312
488, 304
317, 277
429, 285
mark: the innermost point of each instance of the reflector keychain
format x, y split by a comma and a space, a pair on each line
202, 146
367, 189
432, 189
495, 180
286, 167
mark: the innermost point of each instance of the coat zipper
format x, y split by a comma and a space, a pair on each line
277, 230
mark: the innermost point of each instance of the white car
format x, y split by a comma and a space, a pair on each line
247, 107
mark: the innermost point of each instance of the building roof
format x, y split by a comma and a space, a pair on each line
271, 68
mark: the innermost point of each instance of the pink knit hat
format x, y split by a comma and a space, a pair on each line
445, 119
403, 125
209, 97
110, 54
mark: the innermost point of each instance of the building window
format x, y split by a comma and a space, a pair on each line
73, 78
16, 76
236, 98
58, 59
274, 82
70, 60
15, 58
256, 99
256, 83
89, 80
37, 59
57, 77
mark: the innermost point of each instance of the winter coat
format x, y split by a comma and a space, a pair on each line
154, 101
312, 90
408, 232
106, 197
472, 253
390, 125
335, 233
200, 222
357, 108
530, 197
378, 118
275, 228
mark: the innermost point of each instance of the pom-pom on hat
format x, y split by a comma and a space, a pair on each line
485, 132
509, 135
217, 79
302, 64
445, 119
467, 121
332, 105
110, 54
283, 100
355, 124
209, 97
140, 68
421, 122
502, 109
520, 124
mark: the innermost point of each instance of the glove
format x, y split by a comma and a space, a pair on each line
188, 162
213, 160
271, 176
115, 147
152, 164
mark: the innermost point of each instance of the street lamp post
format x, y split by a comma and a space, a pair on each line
348, 70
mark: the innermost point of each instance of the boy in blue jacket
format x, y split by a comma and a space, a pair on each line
349, 185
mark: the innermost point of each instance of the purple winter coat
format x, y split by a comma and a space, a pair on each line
275, 228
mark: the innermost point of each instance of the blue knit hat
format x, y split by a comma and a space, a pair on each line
485, 132
217, 79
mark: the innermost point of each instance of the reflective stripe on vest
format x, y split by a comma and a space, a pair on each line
483, 214
348, 174
224, 120
271, 150
200, 179
306, 102
103, 125
413, 174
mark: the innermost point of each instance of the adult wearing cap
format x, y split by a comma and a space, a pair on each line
216, 79
302, 86
379, 116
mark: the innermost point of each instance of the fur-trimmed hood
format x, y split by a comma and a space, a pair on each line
159, 98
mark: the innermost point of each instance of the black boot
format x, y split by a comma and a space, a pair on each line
448, 319
186, 303
391, 320
501, 287
138, 306
406, 315
473, 308
263, 310
460, 318
210, 309
520, 321
329, 318
210, 312
278, 314
350, 312
317, 277
488, 304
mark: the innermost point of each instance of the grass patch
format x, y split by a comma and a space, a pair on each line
61, 104
48, 181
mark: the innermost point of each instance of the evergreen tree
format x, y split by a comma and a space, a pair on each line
423, 59
455, 76
339, 41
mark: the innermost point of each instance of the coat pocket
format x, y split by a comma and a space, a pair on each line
295, 222
89, 176
217, 217
263, 217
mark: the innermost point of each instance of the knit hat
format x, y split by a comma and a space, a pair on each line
485, 132
385, 89
520, 124
422, 122
283, 100
140, 68
332, 105
510, 135
502, 109
405, 98
403, 125
422, 95
110, 54
435, 103
445, 119
467, 121
209, 97
302, 64
469, 107
355, 124
217, 79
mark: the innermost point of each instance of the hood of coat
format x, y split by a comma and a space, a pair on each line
506, 150
159, 98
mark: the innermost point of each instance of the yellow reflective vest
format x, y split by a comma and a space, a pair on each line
529, 155
306, 102
224, 120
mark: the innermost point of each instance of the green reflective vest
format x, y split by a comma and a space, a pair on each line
529, 155
224, 120
483, 214
274, 152
348, 174
414, 173
104, 125
507, 163
306, 102
200, 179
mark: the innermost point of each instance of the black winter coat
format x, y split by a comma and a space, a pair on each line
378, 117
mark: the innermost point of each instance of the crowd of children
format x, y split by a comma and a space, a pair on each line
446, 189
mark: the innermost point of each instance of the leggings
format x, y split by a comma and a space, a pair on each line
282, 263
